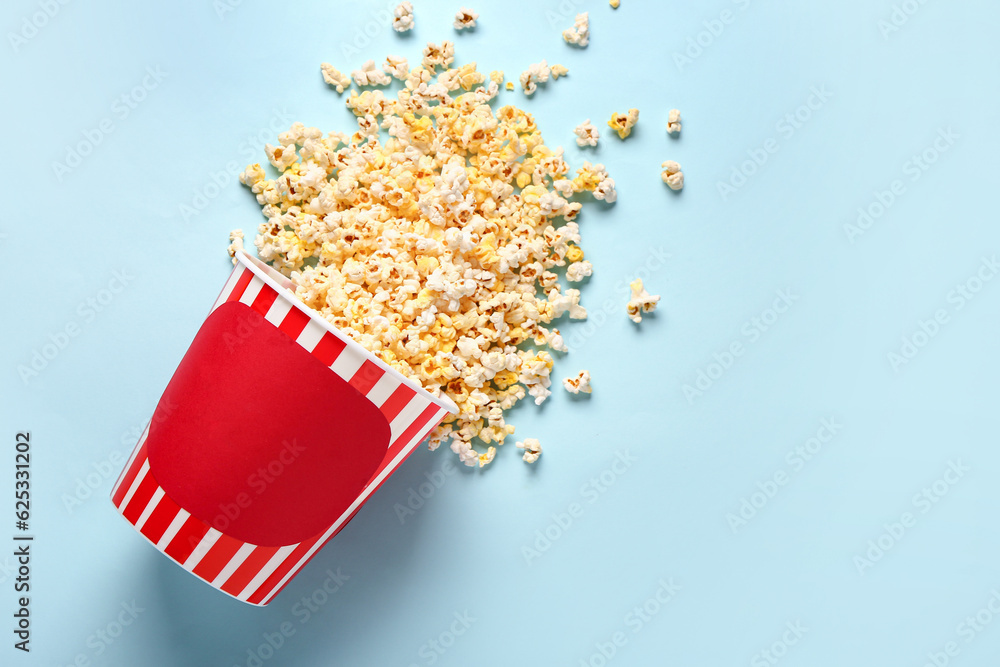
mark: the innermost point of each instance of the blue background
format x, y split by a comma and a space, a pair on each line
234, 79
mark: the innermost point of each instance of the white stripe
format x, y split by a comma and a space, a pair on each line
347, 364
270, 566
276, 313
150, 506
175, 525
382, 390
234, 562
207, 542
252, 290
135, 485
364, 495
310, 336
234, 278
131, 460
406, 416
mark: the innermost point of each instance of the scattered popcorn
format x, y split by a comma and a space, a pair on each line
403, 17
622, 123
434, 244
535, 74
674, 122
558, 71
510, 85
579, 34
236, 236
335, 78
672, 175
586, 134
641, 301
370, 75
578, 384
614, 3
396, 67
532, 449
465, 19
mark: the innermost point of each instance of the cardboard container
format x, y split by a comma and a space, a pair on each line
273, 431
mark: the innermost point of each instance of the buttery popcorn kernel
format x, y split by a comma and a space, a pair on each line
622, 123
672, 175
614, 3
586, 134
532, 449
674, 122
579, 34
578, 384
403, 17
641, 301
465, 19
333, 77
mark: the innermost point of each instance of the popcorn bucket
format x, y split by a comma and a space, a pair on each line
273, 431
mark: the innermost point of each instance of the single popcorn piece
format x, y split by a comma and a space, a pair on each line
334, 77
236, 236
672, 175
396, 67
532, 449
558, 71
586, 134
487, 457
622, 123
674, 122
438, 56
403, 17
370, 75
579, 34
577, 271
510, 85
641, 301
465, 19
535, 74
614, 3
578, 384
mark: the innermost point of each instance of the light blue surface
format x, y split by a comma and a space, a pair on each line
230, 77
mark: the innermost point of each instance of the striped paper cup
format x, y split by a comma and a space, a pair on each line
273, 431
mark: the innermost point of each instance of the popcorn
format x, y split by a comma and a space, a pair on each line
334, 77
614, 3
434, 244
578, 384
622, 123
558, 71
641, 301
510, 85
672, 175
586, 134
535, 74
674, 122
579, 34
236, 236
465, 19
403, 17
532, 449
370, 75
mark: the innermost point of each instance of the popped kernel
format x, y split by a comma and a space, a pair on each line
370, 75
586, 134
579, 384
510, 85
579, 34
396, 67
674, 122
614, 3
465, 19
487, 456
622, 123
641, 301
334, 77
532, 449
403, 17
438, 55
236, 238
672, 175
558, 71
577, 271
535, 74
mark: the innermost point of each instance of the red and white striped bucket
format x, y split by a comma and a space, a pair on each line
274, 430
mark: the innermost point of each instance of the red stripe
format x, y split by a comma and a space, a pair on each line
160, 519
293, 324
136, 506
397, 401
264, 589
328, 348
367, 376
186, 539
264, 299
130, 474
411, 431
248, 570
217, 557
241, 285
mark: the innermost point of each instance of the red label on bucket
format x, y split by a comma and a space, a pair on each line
261, 440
